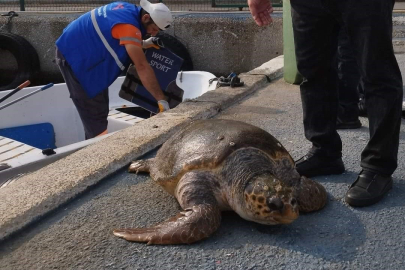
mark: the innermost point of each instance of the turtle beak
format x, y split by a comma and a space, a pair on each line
283, 213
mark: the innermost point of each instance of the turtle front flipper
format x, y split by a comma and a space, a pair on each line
140, 166
201, 217
187, 227
311, 195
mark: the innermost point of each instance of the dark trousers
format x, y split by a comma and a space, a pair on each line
92, 111
348, 79
316, 26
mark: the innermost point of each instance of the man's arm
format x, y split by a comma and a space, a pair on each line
261, 10
145, 71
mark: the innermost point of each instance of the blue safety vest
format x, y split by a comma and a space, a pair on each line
87, 44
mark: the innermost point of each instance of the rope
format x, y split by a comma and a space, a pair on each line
11, 15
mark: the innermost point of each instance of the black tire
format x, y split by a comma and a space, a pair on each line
178, 48
25, 55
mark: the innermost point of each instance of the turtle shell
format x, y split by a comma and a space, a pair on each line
205, 144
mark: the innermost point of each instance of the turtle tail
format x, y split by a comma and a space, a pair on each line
311, 195
201, 216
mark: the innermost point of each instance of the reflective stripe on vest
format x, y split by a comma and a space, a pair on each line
107, 46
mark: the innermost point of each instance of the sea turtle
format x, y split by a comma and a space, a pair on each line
217, 165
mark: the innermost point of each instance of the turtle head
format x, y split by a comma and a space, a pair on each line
269, 201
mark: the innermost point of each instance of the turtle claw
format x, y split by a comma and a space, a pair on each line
139, 166
153, 235
133, 168
133, 235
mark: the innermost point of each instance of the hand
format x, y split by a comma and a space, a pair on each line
154, 42
260, 10
163, 105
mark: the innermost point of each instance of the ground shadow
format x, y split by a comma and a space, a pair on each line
333, 233
348, 177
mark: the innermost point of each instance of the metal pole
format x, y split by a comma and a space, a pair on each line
25, 84
291, 74
23, 97
22, 5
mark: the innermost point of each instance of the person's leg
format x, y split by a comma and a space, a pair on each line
348, 82
369, 25
362, 101
93, 112
315, 35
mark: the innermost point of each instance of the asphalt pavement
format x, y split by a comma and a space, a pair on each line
79, 235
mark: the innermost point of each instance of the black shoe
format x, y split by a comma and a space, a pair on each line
348, 124
368, 189
313, 165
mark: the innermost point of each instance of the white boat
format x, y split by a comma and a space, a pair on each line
51, 116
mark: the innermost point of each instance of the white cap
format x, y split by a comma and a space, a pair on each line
159, 13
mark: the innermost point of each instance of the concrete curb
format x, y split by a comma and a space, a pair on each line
35, 195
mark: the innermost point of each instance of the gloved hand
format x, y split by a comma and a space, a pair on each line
163, 105
154, 42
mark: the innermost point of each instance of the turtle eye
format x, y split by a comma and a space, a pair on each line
275, 204
293, 201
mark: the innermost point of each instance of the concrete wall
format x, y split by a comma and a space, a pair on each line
217, 42
221, 43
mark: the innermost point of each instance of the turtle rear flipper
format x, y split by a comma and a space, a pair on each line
201, 216
311, 195
140, 166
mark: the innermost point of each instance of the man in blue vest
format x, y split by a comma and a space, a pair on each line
95, 48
